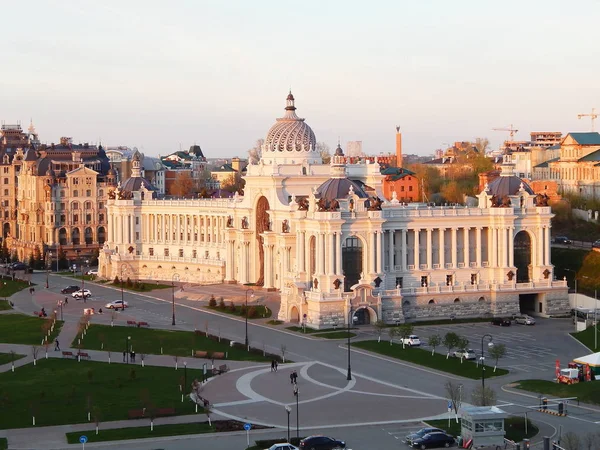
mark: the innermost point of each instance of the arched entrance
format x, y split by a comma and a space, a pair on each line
101, 235
263, 223
294, 315
6, 230
62, 236
522, 256
352, 259
75, 236
364, 316
89, 237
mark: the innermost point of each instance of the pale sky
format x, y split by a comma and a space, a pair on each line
160, 74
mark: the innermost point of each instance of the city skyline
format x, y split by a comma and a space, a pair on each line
217, 75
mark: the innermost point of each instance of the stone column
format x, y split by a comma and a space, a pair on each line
511, 246
403, 251
454, 248
540, 258
442, 244
228, 274
338, 253
429, 250
391, 250
379, 237
494, 249
330, 254
319, 254
478, 246
371, 252
547, 246
417, 249
466, 256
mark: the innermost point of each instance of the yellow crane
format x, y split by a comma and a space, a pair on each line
593, 116
510, 129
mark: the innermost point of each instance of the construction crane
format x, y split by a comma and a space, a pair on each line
510, 129
593, 116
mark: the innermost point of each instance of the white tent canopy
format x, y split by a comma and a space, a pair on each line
592, 359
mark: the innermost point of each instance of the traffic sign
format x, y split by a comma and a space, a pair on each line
247, 426
83, 439
449, 405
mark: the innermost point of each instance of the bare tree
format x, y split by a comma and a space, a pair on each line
483, 397
176, 359
481, 144
393, 332
113, 317
283, 350
96, 414
454, 392
208, 411
450, 341
255, 153
379, 327
13, 356
570, 441
35, 350
462, 344
142, 357
323, 150
183, 185
497, 351
434, 341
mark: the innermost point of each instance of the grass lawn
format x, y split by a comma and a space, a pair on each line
275, 322
586, 337
423, 357
150, 341
4, 305
514, 427
117, 434
57, 391
313, 330
587, 392
335, 335
5, 358
261, 311
9, 287
22, 329
141, 287
3, 443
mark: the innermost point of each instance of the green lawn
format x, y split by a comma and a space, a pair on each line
9, 287
22, 329
335, 335
587, 392
586, 337
5, 358
514, 427
314, 330
150, 341
57, 391
275, 322
4, 305
3, 443
142, 287
261, 311
117, 434
423, 357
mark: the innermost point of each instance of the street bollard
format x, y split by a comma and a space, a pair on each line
546, 443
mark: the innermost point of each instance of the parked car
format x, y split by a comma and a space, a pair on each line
18, 266
321, 443
465, 353
93, 272
596, 244
562, 240
412, 341
117, 304
525, 320
501, 321
284, 446
434, 440
422, 432
85, 293
70, 289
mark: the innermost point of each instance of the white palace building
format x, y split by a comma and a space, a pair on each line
320, 235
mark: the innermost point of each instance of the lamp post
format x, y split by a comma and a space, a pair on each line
489, 336
184, 377
251, 292
127, 348
48, 262
297, 394
288, 410
174, 278
350, 317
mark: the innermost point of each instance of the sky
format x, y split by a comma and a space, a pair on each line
160, 75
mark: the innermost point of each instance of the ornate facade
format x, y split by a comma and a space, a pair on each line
321, 235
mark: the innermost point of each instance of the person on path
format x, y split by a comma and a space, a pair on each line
132, 356
292, 378
66, 300
56, 345
272, 365
295, 375
124, 354
276, 364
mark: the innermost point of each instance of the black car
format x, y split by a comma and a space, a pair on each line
70, 289
434, 440
501, 321
562, 240
419, 434
18, 266
321, 443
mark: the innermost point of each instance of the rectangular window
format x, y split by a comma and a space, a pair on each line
194, 254
181, 236
100, 205
137, 235
206, 254
151, 251
88, 193
188, 236
449, 280
6, 181
75, 218
101, 218
88, 218
401, 188
5, 191
424, 281
399, 281
5, 170
181, 253
75, 180
137, 220
410, 188
62, 206
166, 252
473, 278
195, 237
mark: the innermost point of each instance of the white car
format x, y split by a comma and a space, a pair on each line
93, 272
465, 354
525, 320
81, 294
284, 446
412, 341
117, 304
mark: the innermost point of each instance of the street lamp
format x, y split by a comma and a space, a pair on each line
288, 410
490, 344
297, 394
349, 374
127, 347
251, 292
48, 262
174, 278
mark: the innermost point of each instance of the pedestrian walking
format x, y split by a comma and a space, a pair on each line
272, 365
132, 356
276, 364
66, 300
292, 378
295, 375
124, 355
56, 345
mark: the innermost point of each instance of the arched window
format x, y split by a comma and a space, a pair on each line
457, 300
482, 299
432, 302
406, 303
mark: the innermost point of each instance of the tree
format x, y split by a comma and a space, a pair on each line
208, 411
283, 350
323, 150
63, 262
405, 330
450, 341
452, 192
483, 397
34, 352
497, 351
570, 441
462, 344
392, 332
454, 392
235, 183
379, 327
482, 145
183, 185
434, 341
255, 153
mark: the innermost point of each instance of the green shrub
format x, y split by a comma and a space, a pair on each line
252, 312
116, 281
222, 303
129, 283
212, 302
232, 306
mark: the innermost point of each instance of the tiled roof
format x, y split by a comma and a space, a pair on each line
396, 173
224, 168
590, 138
594, 156
545, 163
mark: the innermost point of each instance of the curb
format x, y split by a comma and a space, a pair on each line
545, 411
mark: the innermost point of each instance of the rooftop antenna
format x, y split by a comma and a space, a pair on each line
593, 116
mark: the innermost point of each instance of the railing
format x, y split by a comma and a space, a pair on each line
144, 257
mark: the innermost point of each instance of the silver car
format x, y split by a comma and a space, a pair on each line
525, 320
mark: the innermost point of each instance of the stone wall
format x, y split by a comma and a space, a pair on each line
557, 302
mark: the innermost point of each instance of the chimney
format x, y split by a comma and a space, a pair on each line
398, 147
235, 164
